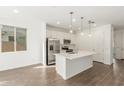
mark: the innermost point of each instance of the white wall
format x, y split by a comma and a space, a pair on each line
35, 41
100, 42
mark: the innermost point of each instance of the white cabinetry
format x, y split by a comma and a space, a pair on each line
103, 44
61, 36
98, 37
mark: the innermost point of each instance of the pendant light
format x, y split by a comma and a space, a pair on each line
71, 13
90, 25
82, 33
89, 34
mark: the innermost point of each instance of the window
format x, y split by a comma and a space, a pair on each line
7, 38
20, 39
13, 39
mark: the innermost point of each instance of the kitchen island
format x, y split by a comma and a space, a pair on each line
71, 64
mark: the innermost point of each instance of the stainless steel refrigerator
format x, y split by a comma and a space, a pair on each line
52, 47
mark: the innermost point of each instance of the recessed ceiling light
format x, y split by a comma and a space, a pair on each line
58, 22
73, 20
16, 11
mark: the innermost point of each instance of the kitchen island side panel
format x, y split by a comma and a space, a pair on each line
76, 66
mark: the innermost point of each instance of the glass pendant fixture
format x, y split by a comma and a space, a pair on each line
82, 33
89, 34
71, 13
90, 24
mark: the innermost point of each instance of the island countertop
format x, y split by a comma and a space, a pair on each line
81, 53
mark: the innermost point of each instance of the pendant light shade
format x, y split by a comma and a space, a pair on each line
71, 30
90, 27
89, 34
82, 33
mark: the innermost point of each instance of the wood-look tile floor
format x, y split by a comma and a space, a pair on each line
39, 75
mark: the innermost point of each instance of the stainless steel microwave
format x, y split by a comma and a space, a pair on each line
67, 41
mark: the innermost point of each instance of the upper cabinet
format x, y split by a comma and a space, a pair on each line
13, 39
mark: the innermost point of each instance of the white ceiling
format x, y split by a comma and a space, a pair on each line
50, 14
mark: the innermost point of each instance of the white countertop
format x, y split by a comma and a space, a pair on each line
76, 55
